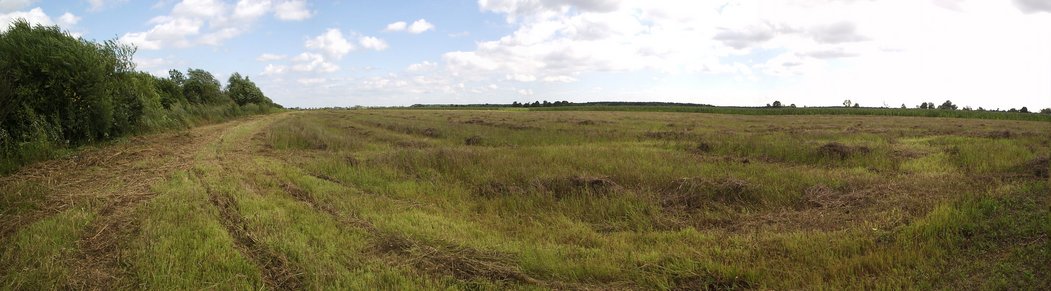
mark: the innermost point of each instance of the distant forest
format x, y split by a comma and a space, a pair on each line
58, 91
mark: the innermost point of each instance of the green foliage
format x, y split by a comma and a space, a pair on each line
243, 91
57, 90
201, 87
947, 106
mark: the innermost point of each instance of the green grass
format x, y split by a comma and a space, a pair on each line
813, 111
180, 229
443, 199
35, 257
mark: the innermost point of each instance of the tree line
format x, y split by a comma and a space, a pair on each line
58, 91
947, 105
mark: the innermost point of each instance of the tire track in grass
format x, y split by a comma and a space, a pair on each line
114, 180
278, 272
461, 262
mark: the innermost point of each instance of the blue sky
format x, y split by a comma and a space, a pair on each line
994, 54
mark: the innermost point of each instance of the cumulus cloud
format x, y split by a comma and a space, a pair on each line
372, 43
14, 5
312, 62
515, 9
731, 52
33, 16
746, 37
271, 57
311, 81
422, 67
396, 26
839, 32
95, 5
210, 22
292, 10
332, 43
68, 19
1033, 6
831, 53
272, 69
417, 27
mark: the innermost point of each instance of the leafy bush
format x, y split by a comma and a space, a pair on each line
58, 91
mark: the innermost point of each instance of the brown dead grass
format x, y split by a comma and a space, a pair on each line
841, 151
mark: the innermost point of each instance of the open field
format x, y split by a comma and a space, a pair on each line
438, 199
700, 108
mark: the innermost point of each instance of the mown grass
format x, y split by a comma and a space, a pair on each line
813, 111
415, 199
667, 200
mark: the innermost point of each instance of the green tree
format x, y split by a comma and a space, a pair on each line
243, 91
947, 106
201, 87
777, 104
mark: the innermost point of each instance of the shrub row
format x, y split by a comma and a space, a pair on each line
58, 91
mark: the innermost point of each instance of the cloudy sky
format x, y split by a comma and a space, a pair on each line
990, 53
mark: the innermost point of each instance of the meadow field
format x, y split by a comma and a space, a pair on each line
501, 199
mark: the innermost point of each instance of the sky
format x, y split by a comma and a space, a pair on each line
979, 53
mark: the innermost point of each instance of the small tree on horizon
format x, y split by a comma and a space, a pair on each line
947, 106
1024, 110
846, 103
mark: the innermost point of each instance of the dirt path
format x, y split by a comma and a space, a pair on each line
114, 180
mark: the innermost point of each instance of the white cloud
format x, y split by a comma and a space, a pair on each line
168, 31
332, 43
311, 81
372, 43
1033, 6
807, 52
251, 9
96, 5
422, 67
68, 19
13, 5
33, 16
419, 26
271, 57
292, 10
151, 64
272, 69
311, 62
199, 8
210, 22
396, 26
